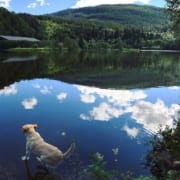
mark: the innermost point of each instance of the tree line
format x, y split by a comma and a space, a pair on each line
60, 33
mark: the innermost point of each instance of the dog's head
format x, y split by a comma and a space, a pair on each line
29, 127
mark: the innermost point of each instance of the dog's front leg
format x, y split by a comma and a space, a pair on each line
26, 157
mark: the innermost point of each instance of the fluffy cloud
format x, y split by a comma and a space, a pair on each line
41, 2
116, 97
10, 90
132, 132
153, 115
5, 3
29, 103
115, 103
61, 96
32, 5
84, 117
174, 87
85, 3
87, 98
105, 112
38, 3
43, 89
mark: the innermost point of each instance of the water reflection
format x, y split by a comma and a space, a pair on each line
119, 120
41, 173
102, 69
115, 103
20, 59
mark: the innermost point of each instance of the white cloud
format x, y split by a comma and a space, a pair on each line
87, 98
29, 103
85, 3
36, 85
132, 132
153, 116
175, 111
174, 87
116, 97
105, 112
43, 89
10, 90
84, 117
5, 3
61, 96
32, 5
115, 103
38, 3
41, 2
46, 90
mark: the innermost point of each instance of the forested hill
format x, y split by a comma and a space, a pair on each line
18, 24
145, 18
135, 16
107, 26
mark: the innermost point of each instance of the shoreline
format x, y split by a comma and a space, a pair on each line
160, 50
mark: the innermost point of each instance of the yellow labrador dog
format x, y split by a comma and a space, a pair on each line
47, 154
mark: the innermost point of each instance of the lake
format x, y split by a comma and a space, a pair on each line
109, 103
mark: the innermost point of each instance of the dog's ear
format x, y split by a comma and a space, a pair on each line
35, 125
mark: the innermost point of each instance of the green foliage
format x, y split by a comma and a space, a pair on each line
18, 25
50, 28
102, 27
173, 12
97, 169
165, 152
129, 16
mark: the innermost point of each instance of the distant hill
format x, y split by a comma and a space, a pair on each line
135, 16
105, 26
18, 24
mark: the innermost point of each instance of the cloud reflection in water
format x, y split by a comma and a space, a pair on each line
131, 132
29, 103
104, 104
61, 96
119, 120
115, 103
10, 90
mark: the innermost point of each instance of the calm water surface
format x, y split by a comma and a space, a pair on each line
114, 102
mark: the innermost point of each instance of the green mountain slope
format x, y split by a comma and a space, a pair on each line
107, 26
18, 24
136, 16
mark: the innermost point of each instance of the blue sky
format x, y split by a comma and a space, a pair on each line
48, 6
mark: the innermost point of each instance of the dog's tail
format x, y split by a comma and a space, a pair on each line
70, 150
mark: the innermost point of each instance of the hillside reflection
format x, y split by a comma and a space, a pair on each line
106, 69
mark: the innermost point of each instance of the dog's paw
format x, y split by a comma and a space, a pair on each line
23, 158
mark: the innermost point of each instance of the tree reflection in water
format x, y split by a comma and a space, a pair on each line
103, 69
